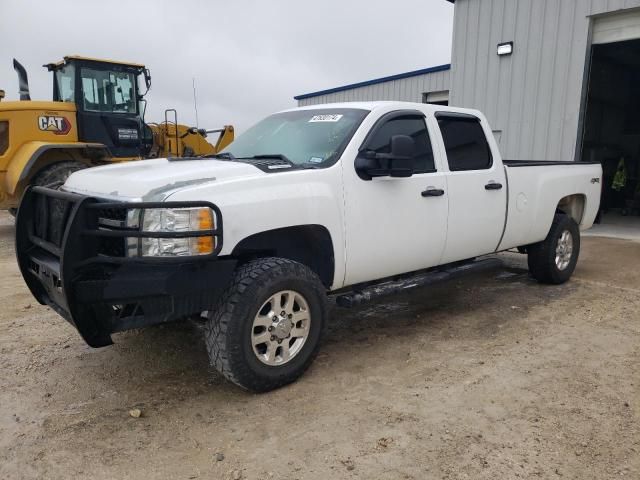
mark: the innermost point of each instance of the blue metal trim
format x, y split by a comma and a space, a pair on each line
399, 76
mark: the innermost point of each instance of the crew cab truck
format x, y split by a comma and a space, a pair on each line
330, 199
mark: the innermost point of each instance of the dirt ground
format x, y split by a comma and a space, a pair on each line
488, 377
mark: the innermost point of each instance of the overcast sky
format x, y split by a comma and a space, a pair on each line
249, 57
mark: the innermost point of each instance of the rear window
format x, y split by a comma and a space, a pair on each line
465, 143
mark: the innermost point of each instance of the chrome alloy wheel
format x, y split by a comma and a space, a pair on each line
564, 250
280, 328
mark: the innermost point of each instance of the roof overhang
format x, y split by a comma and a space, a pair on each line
70, 58
399, 76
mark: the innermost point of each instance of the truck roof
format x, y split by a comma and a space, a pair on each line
389, 105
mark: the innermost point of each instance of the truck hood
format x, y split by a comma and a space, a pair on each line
154, 180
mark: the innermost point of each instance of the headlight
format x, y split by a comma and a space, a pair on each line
184, 222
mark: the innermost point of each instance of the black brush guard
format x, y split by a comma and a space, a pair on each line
71, 250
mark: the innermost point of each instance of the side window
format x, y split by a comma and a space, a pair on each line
465, 143
413, 126
65, 81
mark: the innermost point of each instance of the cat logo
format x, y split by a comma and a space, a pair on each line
57, 125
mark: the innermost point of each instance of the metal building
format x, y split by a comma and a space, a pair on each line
557, 79
536, 96
426, 85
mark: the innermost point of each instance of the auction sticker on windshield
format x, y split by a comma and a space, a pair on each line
325, 118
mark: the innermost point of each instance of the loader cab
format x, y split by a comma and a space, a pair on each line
109, 102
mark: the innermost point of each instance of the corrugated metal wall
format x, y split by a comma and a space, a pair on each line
406, 89
533, 96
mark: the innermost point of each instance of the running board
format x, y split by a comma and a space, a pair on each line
421, 279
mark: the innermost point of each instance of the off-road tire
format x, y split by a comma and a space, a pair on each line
57, 173
230, 322
542, 256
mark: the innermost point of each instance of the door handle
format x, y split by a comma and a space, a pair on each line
433, 192
493, 186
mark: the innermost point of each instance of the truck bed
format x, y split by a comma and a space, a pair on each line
535, 191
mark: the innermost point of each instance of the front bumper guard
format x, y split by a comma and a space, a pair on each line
73, 263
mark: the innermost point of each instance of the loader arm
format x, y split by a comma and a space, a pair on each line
225, 139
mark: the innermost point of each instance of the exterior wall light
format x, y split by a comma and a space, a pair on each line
505, 48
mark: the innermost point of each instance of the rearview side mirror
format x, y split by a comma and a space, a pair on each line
398, 163
403, 150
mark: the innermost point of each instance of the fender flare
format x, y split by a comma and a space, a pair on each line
28, 154
309, 244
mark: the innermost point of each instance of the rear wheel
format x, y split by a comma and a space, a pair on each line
554, 259
56, 174
266, 328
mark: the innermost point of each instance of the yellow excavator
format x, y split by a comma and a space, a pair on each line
96, 117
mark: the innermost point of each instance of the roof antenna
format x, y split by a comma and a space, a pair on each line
195, 101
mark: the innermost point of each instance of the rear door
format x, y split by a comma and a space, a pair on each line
476, 187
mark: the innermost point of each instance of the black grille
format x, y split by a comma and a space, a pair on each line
98, 227
112, 219
112, 247
51, 219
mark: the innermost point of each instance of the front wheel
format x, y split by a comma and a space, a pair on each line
266, 328
554, 259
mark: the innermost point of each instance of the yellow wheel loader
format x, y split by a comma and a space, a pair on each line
96, 117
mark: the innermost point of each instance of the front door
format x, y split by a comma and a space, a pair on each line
477, 188
395, 225
108, 110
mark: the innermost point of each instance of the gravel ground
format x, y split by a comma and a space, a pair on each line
489, 377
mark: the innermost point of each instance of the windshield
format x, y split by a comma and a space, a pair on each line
304, 137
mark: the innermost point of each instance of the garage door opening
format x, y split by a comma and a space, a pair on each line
612, 129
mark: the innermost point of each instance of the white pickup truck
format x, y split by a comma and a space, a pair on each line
352, 199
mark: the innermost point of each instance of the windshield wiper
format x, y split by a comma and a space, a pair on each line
222, 156
268, 156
